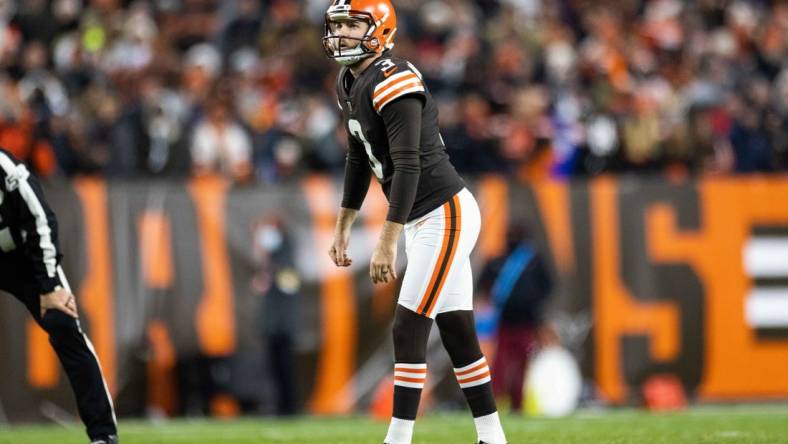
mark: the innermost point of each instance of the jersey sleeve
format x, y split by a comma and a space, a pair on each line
396, 79
403, 127
357, 175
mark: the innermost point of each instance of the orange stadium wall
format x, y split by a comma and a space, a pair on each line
653, 278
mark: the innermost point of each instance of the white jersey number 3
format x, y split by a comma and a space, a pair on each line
355, 129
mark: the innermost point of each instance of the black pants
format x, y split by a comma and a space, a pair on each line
282, 363
75, 354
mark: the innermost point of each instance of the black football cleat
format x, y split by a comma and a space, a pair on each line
111, 439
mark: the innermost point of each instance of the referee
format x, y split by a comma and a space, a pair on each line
30, 270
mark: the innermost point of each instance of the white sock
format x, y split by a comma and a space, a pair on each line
400, 431
489, 430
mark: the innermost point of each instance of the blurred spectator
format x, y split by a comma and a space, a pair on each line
202, 67
220, 144
244, 29
35, 22
23, 131
526, 88
470, 141
149, 135
279, 284
751, 145
518, 286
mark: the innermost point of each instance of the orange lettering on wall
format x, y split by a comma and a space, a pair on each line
215, 317
155, 249
43, 370
494, 208
737, 363
616, 312
337, 303
95, 295
553, 198
161, 367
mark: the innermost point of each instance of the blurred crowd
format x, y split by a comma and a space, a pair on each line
527, 88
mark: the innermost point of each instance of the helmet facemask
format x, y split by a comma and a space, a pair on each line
366, 45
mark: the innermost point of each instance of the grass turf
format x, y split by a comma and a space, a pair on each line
702, 425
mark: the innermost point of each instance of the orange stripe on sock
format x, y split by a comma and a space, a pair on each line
475, 378
405, 379
478, 367
410, 370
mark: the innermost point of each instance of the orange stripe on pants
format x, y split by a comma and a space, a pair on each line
451, 236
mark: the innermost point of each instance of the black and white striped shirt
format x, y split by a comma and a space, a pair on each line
28, 228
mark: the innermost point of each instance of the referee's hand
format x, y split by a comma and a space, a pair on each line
60, 299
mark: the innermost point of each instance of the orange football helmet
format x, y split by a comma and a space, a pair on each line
382, 21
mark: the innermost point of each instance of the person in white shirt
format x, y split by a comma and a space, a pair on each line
220, 144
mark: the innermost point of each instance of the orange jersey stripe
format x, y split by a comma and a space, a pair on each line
405, 79
478, 367
475, 378
383, 95
457, 225
388, 97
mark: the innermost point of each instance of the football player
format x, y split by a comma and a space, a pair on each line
392, 125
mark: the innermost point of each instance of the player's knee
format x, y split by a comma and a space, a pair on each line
411, 332
458, 333
58, 324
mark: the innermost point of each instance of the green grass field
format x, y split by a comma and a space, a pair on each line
736, 424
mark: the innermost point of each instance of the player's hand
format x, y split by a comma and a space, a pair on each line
381, 267
60, 299
338, 250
